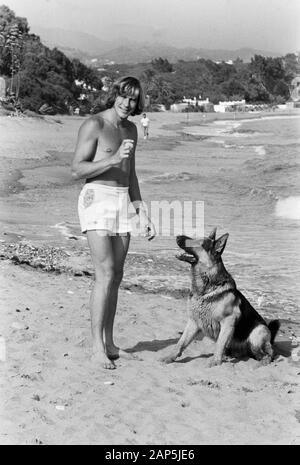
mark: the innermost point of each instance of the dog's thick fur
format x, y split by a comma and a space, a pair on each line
217, 309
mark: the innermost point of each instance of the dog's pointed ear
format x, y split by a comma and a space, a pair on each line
212, 234
221, 243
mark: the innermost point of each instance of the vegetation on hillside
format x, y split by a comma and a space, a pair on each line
37, 76
263, 80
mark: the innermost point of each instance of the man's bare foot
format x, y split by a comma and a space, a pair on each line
103, 360
114, 352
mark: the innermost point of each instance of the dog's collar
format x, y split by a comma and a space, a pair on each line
226, 287
217, 292
226, 284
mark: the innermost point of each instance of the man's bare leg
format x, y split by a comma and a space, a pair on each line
120, 244
102, 255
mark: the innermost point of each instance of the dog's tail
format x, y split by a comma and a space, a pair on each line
273, 326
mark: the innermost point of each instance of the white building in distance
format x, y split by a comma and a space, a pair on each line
230, 105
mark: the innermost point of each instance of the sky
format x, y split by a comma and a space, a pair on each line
269, 25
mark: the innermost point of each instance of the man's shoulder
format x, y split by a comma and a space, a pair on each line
93, 124
97, 120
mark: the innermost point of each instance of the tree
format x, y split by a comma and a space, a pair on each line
160, 91
14, 43
291, 63
233, 89
162, 65
10, 27
147, 79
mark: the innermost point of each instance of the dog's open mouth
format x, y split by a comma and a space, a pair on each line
186, 257
183, 255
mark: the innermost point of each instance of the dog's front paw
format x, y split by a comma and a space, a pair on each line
168, 359
265, 360
214, 362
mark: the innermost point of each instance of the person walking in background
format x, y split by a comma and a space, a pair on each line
105, 158
145, 122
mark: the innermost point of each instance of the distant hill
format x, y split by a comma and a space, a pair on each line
86, 47
144, 53
61, 38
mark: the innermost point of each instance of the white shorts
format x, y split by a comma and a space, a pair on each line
104, 207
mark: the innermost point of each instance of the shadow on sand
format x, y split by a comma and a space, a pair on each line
281, 348
152, 346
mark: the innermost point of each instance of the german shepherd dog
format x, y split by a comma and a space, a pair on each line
217, 309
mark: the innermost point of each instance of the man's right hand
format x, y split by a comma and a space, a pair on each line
125, 150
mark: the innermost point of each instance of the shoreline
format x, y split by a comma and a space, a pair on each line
143, 272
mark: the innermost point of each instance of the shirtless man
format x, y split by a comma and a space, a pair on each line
105, 157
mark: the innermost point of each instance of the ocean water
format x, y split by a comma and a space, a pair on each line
247, 173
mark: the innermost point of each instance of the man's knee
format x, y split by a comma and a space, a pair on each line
104, 274
118, 276
108, 275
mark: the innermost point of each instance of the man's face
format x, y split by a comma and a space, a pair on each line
125, 105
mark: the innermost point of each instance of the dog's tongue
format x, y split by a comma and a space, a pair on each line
184, 256
180, 255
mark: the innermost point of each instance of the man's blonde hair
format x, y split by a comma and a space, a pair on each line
127, 86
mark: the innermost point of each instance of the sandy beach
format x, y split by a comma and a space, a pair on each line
50, 391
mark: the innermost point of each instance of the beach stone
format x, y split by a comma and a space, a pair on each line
60, 407
2, 349
37, 442
296, 354
19, 326
185, 404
